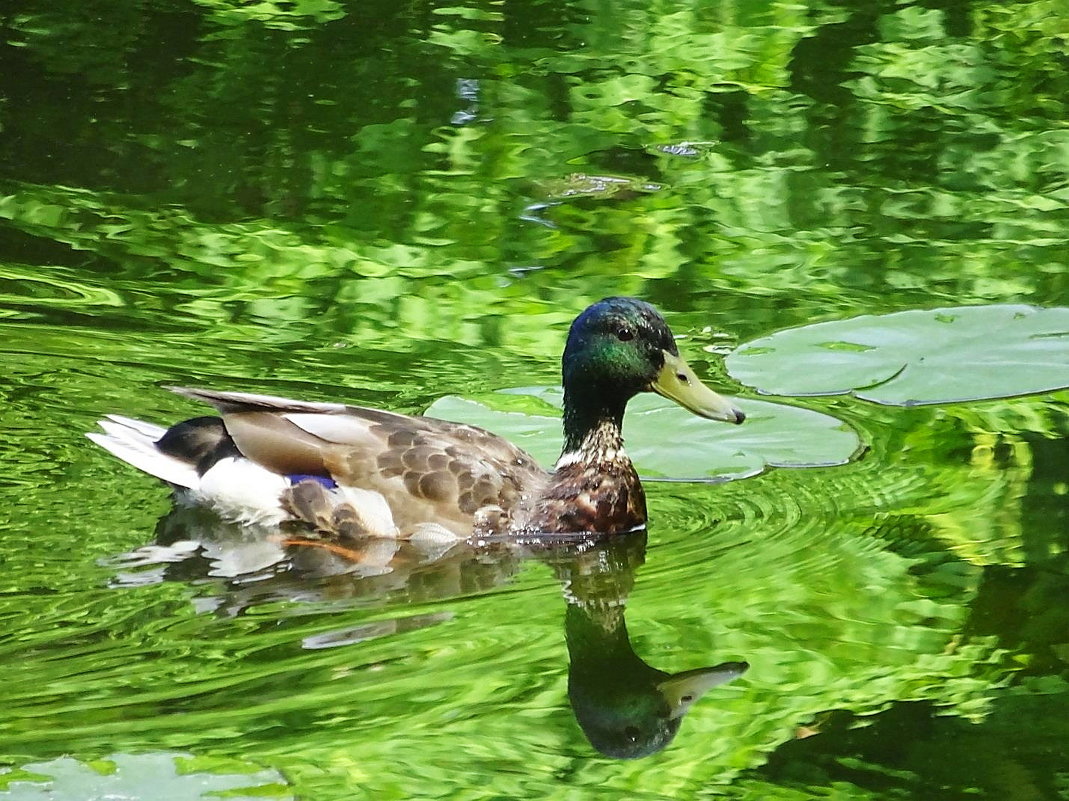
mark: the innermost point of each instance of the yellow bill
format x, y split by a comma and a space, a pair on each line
677, 382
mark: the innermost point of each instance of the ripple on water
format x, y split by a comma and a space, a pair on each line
790, 561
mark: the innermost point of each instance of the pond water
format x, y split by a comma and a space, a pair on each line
395, 204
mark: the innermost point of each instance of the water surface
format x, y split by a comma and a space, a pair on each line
387, 204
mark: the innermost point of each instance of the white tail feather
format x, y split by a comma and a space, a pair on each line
134, 441
242, 491
150, 430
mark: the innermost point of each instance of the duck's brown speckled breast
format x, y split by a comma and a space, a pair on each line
604, 497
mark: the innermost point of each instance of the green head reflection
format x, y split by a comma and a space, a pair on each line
625, 707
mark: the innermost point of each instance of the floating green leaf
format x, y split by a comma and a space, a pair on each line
160, 775
915, 357
667, 442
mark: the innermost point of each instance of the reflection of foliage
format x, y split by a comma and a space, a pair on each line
286, 15
348, 143
223, 190
945, 752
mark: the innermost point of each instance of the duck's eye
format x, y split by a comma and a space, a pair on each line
625, 334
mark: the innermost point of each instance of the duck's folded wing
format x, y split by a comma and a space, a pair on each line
289, 436
250, 402
425, 468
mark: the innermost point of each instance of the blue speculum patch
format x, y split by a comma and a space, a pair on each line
326, 481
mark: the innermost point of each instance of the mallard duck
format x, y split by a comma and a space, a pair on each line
348, 471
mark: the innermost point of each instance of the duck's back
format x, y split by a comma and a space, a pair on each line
427, 471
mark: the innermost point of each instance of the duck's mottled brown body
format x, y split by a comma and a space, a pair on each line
427, 470
348, 470
460, 477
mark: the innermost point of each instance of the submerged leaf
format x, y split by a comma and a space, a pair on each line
915, 357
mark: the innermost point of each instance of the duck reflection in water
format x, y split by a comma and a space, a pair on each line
625, 707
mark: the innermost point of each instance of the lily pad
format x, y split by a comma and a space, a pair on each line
166, 776
665, 441
915, 357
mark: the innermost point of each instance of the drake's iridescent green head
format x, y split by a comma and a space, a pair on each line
617, 348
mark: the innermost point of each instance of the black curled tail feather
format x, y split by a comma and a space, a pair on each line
201, 441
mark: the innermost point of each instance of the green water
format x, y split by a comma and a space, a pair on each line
388, 203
